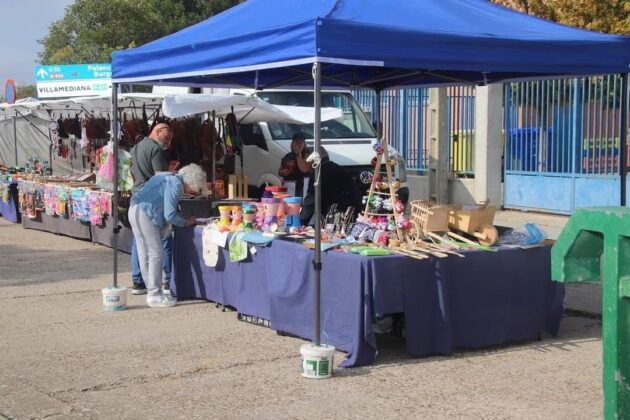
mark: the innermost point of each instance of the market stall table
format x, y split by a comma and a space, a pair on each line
104, 234
58, 225
486, 298
9, 209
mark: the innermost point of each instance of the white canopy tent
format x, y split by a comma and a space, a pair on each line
24, 129
247, 109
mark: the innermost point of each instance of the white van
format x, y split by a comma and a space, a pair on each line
349, 139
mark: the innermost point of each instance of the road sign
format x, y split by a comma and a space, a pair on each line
62, 81
51, 73
10, 91
73, 89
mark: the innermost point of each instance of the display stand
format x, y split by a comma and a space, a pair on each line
389, 180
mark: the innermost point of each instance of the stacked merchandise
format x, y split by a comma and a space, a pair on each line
64, 200
5, 186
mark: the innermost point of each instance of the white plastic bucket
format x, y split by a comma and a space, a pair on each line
317, 361
114, 298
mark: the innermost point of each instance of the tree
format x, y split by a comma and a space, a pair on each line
91, 29
610, 16
28, 91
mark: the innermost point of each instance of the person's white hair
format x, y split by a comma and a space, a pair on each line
195, 177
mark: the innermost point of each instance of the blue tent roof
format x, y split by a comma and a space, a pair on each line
371, 43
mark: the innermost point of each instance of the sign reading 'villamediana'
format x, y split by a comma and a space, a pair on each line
63, 81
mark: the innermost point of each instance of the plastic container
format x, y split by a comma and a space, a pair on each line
114, 298
317, 361
271, 211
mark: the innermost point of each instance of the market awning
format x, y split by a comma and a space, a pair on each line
369, 43
248, 109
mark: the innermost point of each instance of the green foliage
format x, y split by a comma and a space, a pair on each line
610, 16
91, 29
28, 91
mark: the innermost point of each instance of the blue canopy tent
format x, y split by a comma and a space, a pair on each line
369, 43
374, 44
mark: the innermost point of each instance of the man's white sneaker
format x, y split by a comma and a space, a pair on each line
161, 301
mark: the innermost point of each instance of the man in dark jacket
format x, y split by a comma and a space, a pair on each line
337, 186
293, 166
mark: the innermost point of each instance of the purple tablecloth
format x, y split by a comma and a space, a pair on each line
9, 210
481, 300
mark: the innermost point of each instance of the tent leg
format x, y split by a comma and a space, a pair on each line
114, 132
377, 110
623, 144
15, 141
214, 155
317, 76
50, 153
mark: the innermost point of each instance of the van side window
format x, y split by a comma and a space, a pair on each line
252, 135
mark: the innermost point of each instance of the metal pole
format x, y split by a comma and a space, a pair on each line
15, 140
623, 138
213, 155
379, 122
50, 154
317, 73
114, 131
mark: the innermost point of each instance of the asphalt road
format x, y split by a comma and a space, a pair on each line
63, 357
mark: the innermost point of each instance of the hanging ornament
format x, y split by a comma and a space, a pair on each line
403, 223
399, 206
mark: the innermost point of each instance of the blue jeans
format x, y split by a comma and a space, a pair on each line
167, 246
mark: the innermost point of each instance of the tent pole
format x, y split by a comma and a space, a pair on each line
317, 74
377, 109
50, 154
214, 156
623, 143
114, 131
15, 140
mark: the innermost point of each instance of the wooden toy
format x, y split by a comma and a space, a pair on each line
475, 221
427, 217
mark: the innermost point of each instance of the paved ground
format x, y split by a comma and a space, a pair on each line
62, 357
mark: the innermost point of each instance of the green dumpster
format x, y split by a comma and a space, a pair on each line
595, 246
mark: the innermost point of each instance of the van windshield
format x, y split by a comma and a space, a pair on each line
353, 123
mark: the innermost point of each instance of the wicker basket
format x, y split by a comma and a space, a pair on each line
429, 216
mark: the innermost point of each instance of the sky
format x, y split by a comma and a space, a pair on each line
23, 23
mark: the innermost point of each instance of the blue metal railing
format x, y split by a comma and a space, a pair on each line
568, 126
461, 120
406, 125
563, 127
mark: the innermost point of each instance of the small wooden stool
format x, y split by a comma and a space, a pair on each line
237, 186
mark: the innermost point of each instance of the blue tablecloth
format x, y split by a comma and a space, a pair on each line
481, 300
9, 210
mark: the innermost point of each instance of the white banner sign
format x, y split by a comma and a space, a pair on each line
67, 89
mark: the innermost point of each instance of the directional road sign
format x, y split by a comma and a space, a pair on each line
60, 81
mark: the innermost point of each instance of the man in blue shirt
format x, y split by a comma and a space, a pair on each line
148, 160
